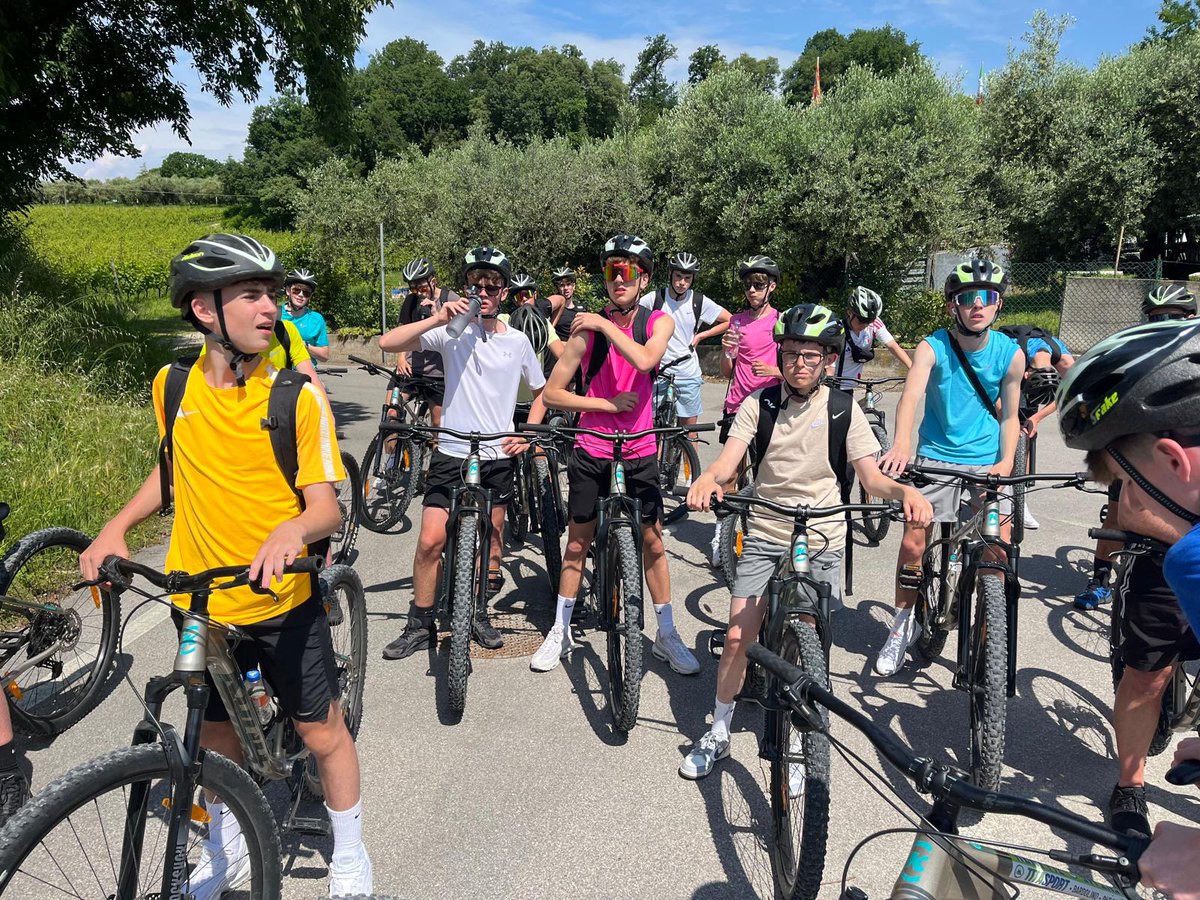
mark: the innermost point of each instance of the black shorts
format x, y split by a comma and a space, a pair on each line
725, 424
1156, 632
434, 392
590, 479
446, 476
294, 652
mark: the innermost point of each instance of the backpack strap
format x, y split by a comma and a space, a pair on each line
173, 391
600, 345
660, 297
969, 371
769, 401
285, 341
838, 416
697, 305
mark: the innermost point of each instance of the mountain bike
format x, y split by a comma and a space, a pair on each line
57, 643
615, 589
874, 528
732, 526
128, 822
341, 542
797, 628
942, 865
678, 462
962, 586
1181, 700
537, 503
393, 467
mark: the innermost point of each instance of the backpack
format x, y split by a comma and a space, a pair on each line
838, 414
660, 297
641, 334
1022, 333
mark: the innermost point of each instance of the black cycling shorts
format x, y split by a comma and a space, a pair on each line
590, 478
294, 652
446, 476
434, 392
1155, 631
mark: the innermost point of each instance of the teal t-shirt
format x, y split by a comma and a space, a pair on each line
311, 326
957, 427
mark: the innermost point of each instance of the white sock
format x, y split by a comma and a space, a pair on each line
666, 618
902, 620
562, 615
347, 833
223, 828
722, 719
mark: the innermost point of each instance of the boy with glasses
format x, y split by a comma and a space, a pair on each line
962, 428
618, 397
299, 287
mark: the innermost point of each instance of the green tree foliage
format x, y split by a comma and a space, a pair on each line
703, 62
763, 72
78, 79
885, 50
649, 88
189, 165
1178, 17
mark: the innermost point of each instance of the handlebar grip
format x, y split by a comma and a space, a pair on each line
1109, 534
540, 429
306, 565
363, 362
780, 668
333, 370
1187, 772
705, 426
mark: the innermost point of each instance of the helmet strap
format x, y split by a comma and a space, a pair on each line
963, 329
236, 356
1151, 491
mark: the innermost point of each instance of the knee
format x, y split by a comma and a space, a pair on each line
429, 546
323, 738
652, 545
912, 545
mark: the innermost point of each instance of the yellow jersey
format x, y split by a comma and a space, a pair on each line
229, 491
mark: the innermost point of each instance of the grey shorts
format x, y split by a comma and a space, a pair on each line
758, 561
948, 496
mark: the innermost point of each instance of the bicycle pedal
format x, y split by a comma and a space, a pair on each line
308, 825
716, 643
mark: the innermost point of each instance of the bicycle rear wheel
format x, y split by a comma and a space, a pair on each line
625, 636
1020, 467
733, 538
551, 525
800, 782
51, 696
464, 590
341, 542
989, 677
875, 527
387, 484
932, 638
678, 464
71, 839
516, 515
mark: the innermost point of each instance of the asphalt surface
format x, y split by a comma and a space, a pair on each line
532, 795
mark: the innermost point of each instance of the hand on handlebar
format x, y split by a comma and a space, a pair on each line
283, 545
917, 510
700, 494
624, 401
1002, 468
513, 446
403, 365
896, 460
107, 543
1171, 864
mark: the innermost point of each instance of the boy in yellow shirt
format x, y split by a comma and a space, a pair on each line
233, 505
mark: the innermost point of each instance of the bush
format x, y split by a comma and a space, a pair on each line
914, 315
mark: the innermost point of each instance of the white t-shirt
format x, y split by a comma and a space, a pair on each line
874, 333
685, 329
482, 377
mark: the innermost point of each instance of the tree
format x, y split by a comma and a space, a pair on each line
648, 85
703, 62
189, 165
763, 72
78, 79
1178, 17
884, 50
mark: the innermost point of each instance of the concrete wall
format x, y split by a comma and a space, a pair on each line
1095, 307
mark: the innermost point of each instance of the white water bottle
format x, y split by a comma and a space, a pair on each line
459, 323
263, 702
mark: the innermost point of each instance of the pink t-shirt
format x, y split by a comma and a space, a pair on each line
617, 375
757, 343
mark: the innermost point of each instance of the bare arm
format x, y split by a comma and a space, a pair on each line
1010, 425
720, 472
557, 393
643, 358
408, 337
916, 508
900, 353
319, 353
320, 518
897, 459
719, 327
111, 539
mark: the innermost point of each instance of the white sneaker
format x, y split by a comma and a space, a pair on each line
891, 657
1031, 524
353, 880
557, 644
220, 869
670, 648
703, 756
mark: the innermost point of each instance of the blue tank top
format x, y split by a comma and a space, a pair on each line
957, 427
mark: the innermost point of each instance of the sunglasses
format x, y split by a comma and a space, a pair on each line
489, 290
622, 270
300, 292
754, 284
522, 295
983, 295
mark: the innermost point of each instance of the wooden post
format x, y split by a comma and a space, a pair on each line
1120, 244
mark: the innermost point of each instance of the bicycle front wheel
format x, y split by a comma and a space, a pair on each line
551, 525
875, 527
341, 542
464, 590
932, 637
989, 677
1020, 467
74, 838
678, 464
733, 539
387, 483
800, 782
78, 630
624, 597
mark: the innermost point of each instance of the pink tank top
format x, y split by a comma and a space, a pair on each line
617, 375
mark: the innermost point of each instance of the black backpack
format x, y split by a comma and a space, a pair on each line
660, 298
1022, 335
838, 414
641, 334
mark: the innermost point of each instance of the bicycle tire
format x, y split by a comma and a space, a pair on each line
516, 515
734, 529
551, 524
931, 640
386, 492
1020, 464
42, 566
798, 865
680, 465
625, 636
989, 700
84, 790
464, 588
342, 541
346, 609
875, 527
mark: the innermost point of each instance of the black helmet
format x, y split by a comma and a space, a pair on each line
563, 273
523, 282
218, 260
683, 262
631, 247
866, 304
1173, 295
531, 323
1144, 379
757, 263
1041, 385
418, 270
810, 322
488, 258
301, 276
976, 273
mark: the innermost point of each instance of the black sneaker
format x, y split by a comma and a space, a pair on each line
14, 791
1127, 811
485, 634
418, 634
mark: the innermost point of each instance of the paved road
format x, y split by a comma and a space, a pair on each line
531, 795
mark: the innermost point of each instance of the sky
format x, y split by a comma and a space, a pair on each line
958, 35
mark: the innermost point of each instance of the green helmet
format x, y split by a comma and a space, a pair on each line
488, 258
976, 273
811, 322
1173, 295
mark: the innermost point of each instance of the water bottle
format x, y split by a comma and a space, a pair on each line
396, 395
459, 323
259, 698
736, 331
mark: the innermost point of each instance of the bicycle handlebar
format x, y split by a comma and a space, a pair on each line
942, 781
860, 382
332, 370
803, 512
614, 436
1128, 538
1073, 479
114, 568
674, 362
470, 436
